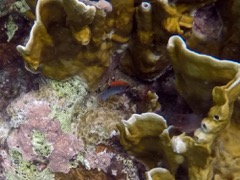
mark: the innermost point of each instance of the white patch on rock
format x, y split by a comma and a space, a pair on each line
178, 145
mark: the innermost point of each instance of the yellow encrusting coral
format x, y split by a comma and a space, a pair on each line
120, 20
175, 17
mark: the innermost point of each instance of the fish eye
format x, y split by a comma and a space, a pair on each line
216, 117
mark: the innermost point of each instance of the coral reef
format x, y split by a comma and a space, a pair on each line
146, 56
96, 123
216, 30
40, 117
85, 53
92, 41
145, 134
121, 167
4, 130
14, 78
64, 97
40, 137
205, 154
14, 23
182, 107
7, 7
61, 98
197, 74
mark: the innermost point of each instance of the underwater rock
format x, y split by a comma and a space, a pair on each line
96, 120
81, 173
41, 120
98, 125
40, 138
18, 168
61, 98
207, 31
120, 166
14, 79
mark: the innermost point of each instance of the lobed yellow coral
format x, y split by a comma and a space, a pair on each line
75, 37
67, 40
146, 55
205, 81
197, 75
147, 134
213, 151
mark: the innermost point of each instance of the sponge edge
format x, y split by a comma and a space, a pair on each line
159, 173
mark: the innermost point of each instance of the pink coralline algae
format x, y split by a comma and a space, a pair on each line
100, 160
50, 145
102, 4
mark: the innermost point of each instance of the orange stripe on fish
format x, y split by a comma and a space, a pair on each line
119, 83
115, 87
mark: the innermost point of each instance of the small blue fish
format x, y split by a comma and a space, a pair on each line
114, 88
